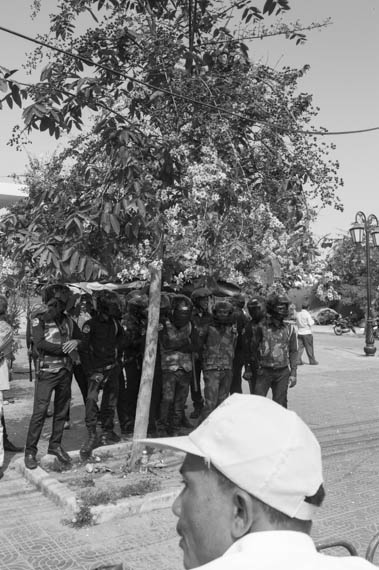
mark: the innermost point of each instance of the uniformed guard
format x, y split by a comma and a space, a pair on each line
218, 354
134, 323
55, 338
238, 302
277, 351
176, 347
201, 318
250, 340
103, 339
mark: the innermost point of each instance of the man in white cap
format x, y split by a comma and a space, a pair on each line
252, 479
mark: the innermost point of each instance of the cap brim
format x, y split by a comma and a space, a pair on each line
181, 443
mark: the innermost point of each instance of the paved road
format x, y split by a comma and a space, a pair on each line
339, 399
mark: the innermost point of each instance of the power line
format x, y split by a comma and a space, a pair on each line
124, 75
168, 91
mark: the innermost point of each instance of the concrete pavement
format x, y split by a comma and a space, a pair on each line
339, 399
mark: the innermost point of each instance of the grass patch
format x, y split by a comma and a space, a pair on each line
93, 497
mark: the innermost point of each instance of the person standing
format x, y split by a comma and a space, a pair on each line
276, 351
251, 336
218, 355
201, 318
175, 343
241, 319
103, 339
6, 339
304, 323
56, 338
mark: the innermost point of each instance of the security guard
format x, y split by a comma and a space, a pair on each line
276, 351
103, 339
218, 354
56, 338
201, 318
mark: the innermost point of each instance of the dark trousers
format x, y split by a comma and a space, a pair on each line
276, 379
128, 395
82, 382
60, 382
238, 361
5, 435
175, 388
108, 382
305, 341
197, 398
216, 389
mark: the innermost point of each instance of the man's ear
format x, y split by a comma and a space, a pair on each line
244, 513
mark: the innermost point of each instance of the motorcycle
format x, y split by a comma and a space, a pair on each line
343, 325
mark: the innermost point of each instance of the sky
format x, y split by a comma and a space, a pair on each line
343, 79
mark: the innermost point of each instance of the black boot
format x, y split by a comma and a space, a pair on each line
88, 446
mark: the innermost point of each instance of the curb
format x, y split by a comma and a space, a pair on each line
62, 496
50, 487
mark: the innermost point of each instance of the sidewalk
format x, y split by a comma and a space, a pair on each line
339, 399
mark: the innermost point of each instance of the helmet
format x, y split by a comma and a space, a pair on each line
223, 313
181, 310
277, 305
57, 291
256, 309
200, 293
137, 302
108, 303
237, 301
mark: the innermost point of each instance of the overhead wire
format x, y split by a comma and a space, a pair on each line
173, 94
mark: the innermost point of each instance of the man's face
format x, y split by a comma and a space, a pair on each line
203, 303
282, 310
204, 514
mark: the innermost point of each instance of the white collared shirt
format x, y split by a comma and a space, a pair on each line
304, 322
282, 550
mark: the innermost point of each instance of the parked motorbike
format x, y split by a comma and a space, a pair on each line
343, 325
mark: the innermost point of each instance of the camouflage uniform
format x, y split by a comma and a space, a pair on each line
218, 355
200, 322
277, 356
176, 363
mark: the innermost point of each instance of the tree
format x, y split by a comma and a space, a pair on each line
195, 158
348, 261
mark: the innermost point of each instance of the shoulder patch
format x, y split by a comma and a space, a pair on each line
35, 322
86, 329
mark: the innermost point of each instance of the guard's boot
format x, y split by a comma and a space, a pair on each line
196, 412
88, 446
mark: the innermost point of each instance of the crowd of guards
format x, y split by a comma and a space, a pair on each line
207, 346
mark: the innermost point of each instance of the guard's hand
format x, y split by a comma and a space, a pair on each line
292, 381
247, 375
69, 346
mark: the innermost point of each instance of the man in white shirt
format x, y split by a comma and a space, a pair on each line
304, 323
252, 479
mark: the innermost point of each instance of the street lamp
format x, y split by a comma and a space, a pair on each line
362, 229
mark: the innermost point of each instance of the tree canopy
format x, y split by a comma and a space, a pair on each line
191, 154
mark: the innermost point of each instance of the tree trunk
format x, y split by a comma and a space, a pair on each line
148, 366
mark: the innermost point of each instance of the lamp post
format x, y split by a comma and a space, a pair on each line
361, 231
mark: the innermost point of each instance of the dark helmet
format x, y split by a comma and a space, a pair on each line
237, 301
181, 310
108, 303
223, 313
56, 297
256, 309
200, 293
57, 291
277, 305
137, 302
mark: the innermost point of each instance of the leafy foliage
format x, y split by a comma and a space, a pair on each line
190, 145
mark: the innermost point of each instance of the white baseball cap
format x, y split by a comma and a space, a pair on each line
260, 446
